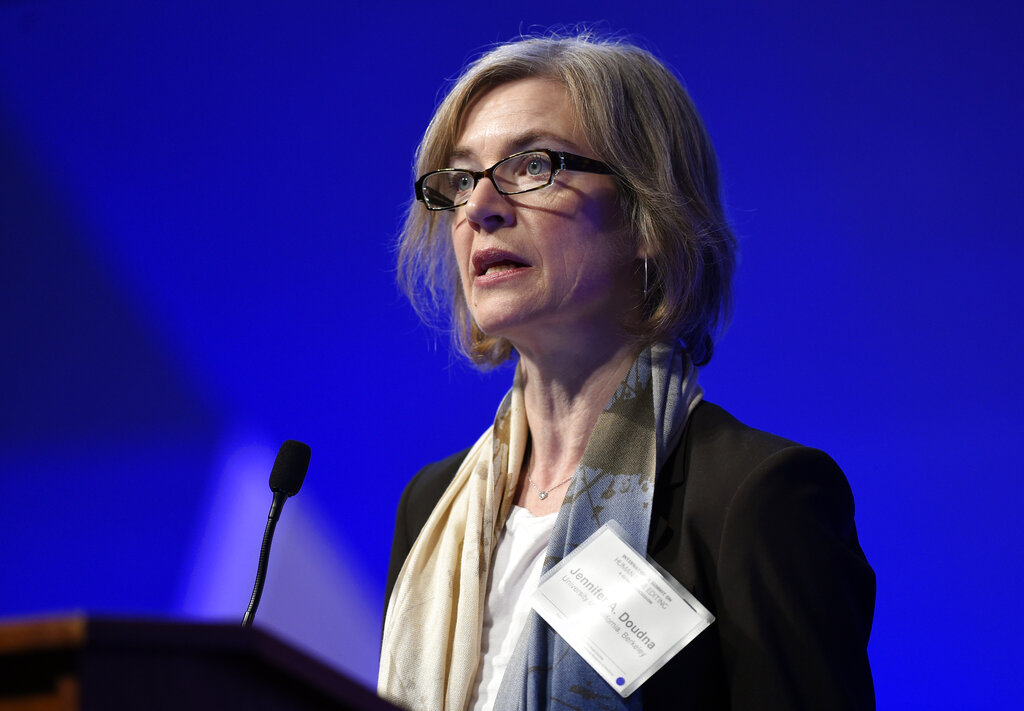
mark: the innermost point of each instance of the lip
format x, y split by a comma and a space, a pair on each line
487, 258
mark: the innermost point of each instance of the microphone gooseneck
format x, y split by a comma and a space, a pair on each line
285, 480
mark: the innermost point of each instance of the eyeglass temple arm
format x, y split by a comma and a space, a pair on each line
571, 161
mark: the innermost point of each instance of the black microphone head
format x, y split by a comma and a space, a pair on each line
290, 467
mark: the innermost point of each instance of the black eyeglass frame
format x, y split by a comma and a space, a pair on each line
560, 160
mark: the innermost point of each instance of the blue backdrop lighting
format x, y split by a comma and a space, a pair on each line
198, 204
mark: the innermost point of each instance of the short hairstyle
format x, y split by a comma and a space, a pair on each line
640, 120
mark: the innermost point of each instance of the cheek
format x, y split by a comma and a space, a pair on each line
595, 207
606, 214
601, 232
461, 245
461, 241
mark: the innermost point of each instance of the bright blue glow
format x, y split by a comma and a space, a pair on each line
228, 536
185, 256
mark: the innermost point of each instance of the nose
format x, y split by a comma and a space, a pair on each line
487, 209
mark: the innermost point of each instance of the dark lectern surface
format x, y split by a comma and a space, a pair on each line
83, 663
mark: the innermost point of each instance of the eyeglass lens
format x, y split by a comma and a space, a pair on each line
516, 174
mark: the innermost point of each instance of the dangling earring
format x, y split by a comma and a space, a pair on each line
645, 276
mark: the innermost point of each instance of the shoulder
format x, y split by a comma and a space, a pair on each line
721, 457
728, 485
422, 493
766, 489
425, 489
761, 529
418, 500
713, 432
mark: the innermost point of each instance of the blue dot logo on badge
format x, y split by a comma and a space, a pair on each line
620, 681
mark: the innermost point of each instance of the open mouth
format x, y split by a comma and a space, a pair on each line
502, 267
494, 261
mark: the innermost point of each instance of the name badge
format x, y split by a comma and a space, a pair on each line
624, 615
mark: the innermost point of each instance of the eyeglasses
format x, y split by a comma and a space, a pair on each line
519, 173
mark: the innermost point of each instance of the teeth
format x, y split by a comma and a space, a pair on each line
500, 268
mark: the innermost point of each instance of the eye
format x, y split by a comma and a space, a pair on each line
533, 165
462, 182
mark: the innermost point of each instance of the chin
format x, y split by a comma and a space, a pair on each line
500, 328
494, 315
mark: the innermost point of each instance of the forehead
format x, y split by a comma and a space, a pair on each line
518, 115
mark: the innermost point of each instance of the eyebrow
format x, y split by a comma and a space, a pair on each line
516, 143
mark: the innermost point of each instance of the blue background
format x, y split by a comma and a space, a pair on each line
198, 203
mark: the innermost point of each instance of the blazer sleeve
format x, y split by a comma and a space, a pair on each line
400, 545
796, 592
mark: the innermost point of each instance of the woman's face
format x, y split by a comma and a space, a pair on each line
545, 266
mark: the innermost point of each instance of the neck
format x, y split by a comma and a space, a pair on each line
564, 394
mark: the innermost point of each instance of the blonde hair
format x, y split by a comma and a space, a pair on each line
640, 120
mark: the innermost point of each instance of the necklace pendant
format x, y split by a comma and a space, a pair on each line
542, 495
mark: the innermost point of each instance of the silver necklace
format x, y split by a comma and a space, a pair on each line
543, 494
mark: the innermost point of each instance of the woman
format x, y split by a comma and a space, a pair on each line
569, 213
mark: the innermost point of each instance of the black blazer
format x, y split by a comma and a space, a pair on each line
761, 531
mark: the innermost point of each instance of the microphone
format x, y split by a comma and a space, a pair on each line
285, 480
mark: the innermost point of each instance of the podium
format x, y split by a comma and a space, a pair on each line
83, 663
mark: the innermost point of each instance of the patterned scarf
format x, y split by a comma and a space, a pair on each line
432, 631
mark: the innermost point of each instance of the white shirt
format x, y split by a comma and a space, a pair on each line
515, 575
